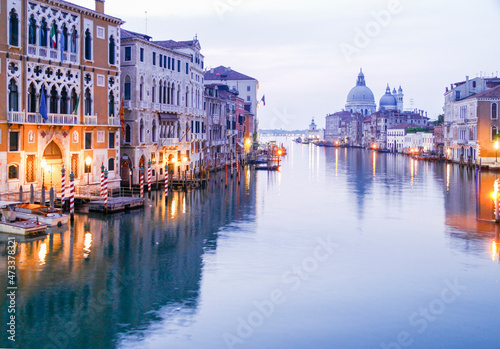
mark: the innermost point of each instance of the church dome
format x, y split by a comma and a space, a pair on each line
360, 92
388, 101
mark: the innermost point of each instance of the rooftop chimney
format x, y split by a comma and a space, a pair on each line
99, 6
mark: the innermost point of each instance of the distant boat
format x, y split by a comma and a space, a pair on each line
10, 223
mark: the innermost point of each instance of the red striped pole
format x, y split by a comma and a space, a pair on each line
141, 182
166, 181
106, 188
231, 165
63, 186
149, 176
102, 182
72, 194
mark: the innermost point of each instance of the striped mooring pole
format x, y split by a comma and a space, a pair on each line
105, 188
166, 181
141, 182
72, 195
63, 186
231, 165
149, 176
102, 182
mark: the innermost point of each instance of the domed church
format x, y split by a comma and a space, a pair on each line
360, 99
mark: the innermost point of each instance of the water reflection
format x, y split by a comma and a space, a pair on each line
132, 264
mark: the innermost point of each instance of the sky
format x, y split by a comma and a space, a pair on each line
307, 54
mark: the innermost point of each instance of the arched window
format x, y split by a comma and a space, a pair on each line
127, 133
74, 36
127, 88
13, 96
13, 29
64, 101
53, 100
32, 99
111, 104
43, 33
179, 95
494, 132
74, 101
53, 36
494, 111
111, 164
111, 50
88, 102
64, 41
88, 45
187, 96
153, 131
141, 132
13, 172
32, 31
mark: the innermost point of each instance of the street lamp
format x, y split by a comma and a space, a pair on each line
496, 152
43, 165
88, 161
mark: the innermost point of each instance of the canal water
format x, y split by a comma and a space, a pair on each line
343, 248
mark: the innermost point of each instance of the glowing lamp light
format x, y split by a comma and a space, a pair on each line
88, 160
497, 145
374, 146
185, 159
43, 163
174, 160
247, 141
279, 152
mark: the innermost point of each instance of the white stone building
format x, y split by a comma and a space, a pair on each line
164, 117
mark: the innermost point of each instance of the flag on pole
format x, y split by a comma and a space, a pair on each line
263, 100
75, 110
122, 118
43, 106
53, 38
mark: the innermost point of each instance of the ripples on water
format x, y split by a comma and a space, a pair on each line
198, 271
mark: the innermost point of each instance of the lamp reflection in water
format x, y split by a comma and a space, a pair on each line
42, 253
494, 245
87, 244
374, 161
173, 207
336, 161
448, 174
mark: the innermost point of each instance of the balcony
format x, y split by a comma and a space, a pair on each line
90, 119
142, 105
114, 121
48, 53
167, 108
127, 105
36, 118
155, 107
169, 141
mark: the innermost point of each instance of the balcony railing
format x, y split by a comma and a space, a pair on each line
155, 107
142, 105
90, 120
167, 108
36, 118
127, 105
169, 141
44, 52
114, 121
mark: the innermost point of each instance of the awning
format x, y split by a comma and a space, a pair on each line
168, 117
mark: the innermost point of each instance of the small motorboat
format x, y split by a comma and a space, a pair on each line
10, 223
45, 214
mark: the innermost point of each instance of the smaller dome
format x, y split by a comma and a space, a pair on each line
388, 101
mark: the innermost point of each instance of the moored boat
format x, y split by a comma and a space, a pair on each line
10, 223
45, 214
